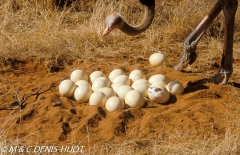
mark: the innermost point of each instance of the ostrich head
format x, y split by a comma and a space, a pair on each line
113, 21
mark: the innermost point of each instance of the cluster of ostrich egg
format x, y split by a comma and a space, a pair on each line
118, 90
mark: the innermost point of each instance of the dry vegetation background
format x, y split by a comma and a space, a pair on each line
42, 43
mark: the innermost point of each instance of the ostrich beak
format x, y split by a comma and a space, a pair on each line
106, 31
109, 28
113, 21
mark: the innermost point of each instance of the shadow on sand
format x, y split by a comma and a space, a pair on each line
200, 84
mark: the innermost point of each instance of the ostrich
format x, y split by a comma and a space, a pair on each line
229, 8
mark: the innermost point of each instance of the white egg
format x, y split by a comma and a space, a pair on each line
98, 98
82, 94
142, 88
141, 81
67, 87
115, 73
175, 87
157, 59
109, 92
114, 103
123, 90
159, 83
98, 84
77, 75
136, 75
134, 99
106, 80
158, 94
96, 74
158, 77
83, 83
122, 78
116, 85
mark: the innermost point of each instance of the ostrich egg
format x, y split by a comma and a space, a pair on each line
159, 83
106, 80
123, 90
82, 94
77, 75
114, 103
122, 78
116, 85
115, 73
98, 83
175, 87
158, 77
97, 98
157, 59
141, 81
136, 75
109, 92
142, 88
96, 74
83, 83
134, 99
67, 87
158, 94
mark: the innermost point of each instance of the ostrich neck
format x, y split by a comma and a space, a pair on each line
146, 22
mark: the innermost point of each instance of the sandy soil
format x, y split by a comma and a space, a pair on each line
48, 118
204, 114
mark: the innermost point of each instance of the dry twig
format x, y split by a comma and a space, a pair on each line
20, 102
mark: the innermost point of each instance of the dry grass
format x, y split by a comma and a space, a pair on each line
32, 28
29, 29
156, 146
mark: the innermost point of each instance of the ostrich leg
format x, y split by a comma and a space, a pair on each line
190, 44
229, 10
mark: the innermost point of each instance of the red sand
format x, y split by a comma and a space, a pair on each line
200, 111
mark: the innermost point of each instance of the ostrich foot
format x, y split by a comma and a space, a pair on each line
187, 58
220, 78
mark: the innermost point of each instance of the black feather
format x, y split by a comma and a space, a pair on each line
148, 3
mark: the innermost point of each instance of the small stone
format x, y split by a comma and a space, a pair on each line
56, 104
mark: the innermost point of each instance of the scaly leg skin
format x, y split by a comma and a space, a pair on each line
222, 77
190, 44
226, 68
229, 8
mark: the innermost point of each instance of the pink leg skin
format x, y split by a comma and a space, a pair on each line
190, 44
229, 8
